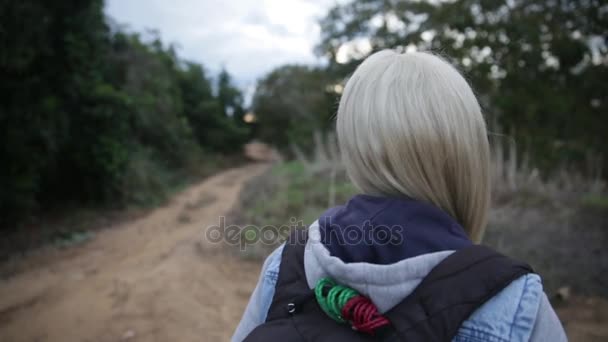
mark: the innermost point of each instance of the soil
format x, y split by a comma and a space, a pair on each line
152, 279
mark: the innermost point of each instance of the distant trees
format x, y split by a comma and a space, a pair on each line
94, 115
293, 101
539, 67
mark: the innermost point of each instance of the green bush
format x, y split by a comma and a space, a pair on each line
291, 103
98, 116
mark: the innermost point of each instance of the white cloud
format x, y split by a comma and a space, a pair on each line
248, 37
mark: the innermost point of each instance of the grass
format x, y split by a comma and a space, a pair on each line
70, 238
297, 192
545, 221
289, 192
596, 201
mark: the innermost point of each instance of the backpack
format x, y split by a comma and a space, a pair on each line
434, 311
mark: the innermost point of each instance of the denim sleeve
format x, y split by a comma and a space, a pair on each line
261, 298
547, 326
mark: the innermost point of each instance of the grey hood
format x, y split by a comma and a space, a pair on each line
385, 285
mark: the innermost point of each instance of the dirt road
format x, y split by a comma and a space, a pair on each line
157, 279
152, 279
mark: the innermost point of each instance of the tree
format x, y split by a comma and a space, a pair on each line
209, 115
95, 115
52, 85
229, 97
291, 102
539, 67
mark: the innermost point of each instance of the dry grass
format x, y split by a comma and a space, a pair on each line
556, 223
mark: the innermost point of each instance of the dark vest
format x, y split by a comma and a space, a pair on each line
434, 311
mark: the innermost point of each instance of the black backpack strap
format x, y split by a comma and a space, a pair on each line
291, 289
451, 292
294, 313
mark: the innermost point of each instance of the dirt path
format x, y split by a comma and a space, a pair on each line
152, 279
157, 279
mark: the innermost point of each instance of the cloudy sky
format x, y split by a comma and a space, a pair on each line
248, 37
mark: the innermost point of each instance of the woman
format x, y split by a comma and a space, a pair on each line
398, 262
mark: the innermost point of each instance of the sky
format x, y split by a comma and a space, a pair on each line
247, 37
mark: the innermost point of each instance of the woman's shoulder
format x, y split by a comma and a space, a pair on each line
270, 270
513, 315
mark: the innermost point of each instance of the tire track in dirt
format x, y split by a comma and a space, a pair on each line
151, 279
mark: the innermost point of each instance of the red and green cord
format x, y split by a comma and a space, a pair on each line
345, 305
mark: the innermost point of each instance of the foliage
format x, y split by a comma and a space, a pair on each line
539, 69
96, 115
539, 66
292, 102
595, 201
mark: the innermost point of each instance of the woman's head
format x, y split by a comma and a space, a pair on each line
410, 125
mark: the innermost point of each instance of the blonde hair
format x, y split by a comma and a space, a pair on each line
409, 125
